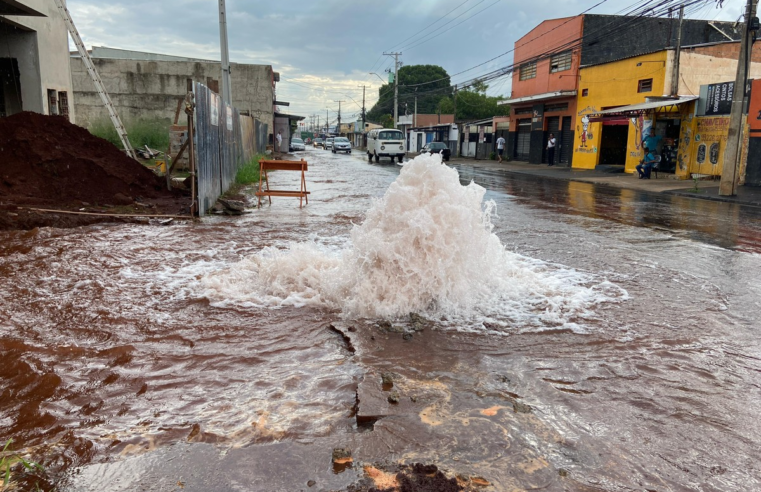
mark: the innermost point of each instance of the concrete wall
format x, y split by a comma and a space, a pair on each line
713, 64
41, 45
143, 89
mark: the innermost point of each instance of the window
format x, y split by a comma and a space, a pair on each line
52, 102
524, 111
528, 71
645, 85
584, 92
560, 62
63, 104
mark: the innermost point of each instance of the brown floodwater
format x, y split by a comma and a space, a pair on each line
120, 372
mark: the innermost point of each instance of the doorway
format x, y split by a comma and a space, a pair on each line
566, 141
10, 87
613, 142
523, 140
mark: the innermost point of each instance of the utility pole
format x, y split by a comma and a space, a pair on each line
396, 86
457, 144
338, 127
677, 55
364, 114
226, 85
729, 177
327, 122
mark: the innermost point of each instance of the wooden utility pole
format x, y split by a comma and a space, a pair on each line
729, 172
677, 55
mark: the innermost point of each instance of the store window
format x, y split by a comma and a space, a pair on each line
645, 85
528, 71
560, 62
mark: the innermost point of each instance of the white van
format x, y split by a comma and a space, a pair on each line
385, 142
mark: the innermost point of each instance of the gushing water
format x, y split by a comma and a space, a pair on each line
426, 246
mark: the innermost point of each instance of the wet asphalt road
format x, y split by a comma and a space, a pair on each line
122, 376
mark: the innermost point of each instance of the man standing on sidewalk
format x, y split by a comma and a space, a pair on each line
551, 150
279, 140
500, 148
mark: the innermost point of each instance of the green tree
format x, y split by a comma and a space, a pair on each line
474, 104
437, 85
387, 121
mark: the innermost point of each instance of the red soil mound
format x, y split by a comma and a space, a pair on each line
47, 161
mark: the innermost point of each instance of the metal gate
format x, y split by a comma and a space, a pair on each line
523, 140
566, 141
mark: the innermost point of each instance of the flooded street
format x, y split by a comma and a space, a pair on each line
613, 346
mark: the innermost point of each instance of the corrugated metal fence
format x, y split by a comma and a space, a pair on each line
224, 141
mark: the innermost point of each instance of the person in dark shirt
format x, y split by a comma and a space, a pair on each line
646, 166
651, 141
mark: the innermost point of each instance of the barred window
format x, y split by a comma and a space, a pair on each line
645, 85
63, 104
528, 71
560, 62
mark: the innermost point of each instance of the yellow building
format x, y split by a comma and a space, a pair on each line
605, 87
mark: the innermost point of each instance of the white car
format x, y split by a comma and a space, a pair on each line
341, 144
297, 144
329, 143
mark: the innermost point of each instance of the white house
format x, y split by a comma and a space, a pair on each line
35, 73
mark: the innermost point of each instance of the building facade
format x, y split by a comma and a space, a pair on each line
149, 85
34, 59
548, 63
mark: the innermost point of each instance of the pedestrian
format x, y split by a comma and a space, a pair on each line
500, 148
551, 142
651, 141
646, 166
279, 140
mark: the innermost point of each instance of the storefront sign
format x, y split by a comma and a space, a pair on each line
537, 118
719, 100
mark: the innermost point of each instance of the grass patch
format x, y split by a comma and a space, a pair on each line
153, 133
249, 173
8, 460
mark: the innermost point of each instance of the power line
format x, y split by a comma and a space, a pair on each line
458, 24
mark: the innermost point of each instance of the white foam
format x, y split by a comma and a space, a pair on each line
426, 246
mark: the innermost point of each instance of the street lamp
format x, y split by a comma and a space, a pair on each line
373, 73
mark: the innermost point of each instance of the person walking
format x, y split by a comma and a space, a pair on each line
279, 140
500, 148
551, 142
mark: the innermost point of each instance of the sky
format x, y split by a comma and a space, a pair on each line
325, 51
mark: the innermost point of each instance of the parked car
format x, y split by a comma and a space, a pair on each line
329, 143
297, 144
318, 142
437, 148
341, 144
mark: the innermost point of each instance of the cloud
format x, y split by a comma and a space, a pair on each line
324, 50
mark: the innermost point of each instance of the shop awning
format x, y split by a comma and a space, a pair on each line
636, 110
538, 97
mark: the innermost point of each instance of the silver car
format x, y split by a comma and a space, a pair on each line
341, 144
329, 143
297, 144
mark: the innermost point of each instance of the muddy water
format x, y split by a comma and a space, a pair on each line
119, 374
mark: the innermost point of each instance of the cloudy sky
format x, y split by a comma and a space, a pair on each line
325, 50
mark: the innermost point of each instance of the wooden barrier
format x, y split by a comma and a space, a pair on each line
264, 184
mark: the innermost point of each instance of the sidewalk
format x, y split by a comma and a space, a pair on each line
707, 190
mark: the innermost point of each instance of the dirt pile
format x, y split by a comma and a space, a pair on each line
48, 162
